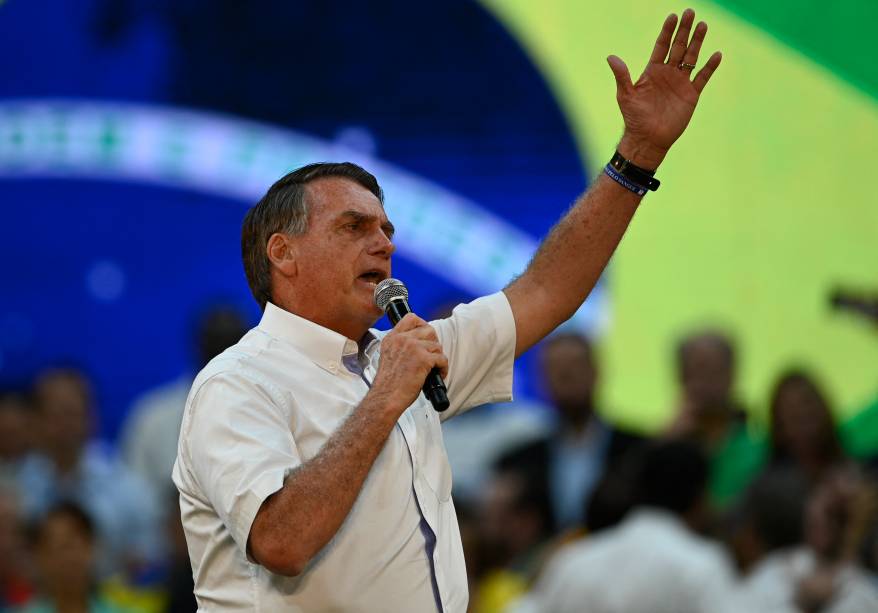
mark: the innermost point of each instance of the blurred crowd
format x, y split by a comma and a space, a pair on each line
560, 510
90, 527
717, 512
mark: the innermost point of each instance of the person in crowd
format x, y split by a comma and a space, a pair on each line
570, 461
614, 495
64, 544
475, 439
823, 574
149, 438
655, 560
709, 414
71, 466
803, 431
16, 585
769, 518
706, 373
16, 437
515, 525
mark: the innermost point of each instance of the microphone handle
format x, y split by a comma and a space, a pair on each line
434, 387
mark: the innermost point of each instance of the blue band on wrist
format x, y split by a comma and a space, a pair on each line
615, 176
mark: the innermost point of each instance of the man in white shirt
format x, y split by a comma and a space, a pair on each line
654, 561
312, 474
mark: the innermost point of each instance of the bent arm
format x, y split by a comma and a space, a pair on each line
296, 522
656, 110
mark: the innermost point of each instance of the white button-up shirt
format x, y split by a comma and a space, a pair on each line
269, 403
771, 586
650, 563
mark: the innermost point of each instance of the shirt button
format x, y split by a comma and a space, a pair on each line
332, 366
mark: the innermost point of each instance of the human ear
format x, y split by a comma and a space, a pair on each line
281, 252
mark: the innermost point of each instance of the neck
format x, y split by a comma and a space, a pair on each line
349, 329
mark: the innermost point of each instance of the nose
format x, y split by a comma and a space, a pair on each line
382, 244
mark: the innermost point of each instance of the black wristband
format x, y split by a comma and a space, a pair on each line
635, 174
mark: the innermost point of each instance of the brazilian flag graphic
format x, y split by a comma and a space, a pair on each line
767, 202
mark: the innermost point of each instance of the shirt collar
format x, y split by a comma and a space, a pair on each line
326, 348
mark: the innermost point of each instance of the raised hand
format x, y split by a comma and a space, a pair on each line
657, 108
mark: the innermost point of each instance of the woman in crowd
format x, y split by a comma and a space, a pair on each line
803, 431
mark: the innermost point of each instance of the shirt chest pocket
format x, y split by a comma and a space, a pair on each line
430, 457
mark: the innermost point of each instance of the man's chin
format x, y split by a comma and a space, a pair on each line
371, 314
375, 315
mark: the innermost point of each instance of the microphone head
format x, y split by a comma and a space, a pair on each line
388, 290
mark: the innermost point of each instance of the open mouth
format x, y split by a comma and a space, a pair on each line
373, 277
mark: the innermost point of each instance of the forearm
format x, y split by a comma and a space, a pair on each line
570, 260
656, 110
296, 522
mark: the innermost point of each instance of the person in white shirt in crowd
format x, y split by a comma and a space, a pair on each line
768, 518
71, 466
312, 474
822, 574
655, 561
152, 429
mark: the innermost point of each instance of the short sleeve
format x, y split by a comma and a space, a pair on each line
479, 340
239, 446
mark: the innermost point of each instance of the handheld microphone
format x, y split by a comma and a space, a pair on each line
391, 296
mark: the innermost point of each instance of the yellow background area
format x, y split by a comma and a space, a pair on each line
767, 204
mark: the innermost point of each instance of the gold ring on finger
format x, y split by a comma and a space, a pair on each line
685, 66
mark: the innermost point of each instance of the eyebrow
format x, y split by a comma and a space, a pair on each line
387, 226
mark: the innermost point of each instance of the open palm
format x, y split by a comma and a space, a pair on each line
657, 108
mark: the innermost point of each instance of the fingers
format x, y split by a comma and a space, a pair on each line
413, 326
681, 40
620, 72
431, 346
442, 365
425, 333
694, 49
431, 355
707, 71
663, 42
409, 322
436, 358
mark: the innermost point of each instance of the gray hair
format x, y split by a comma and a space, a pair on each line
283, 209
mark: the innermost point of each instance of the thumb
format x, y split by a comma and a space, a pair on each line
620, 71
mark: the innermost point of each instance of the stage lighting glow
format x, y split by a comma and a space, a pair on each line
447, 234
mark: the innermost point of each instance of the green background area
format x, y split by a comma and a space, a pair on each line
766, 204
839, 35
